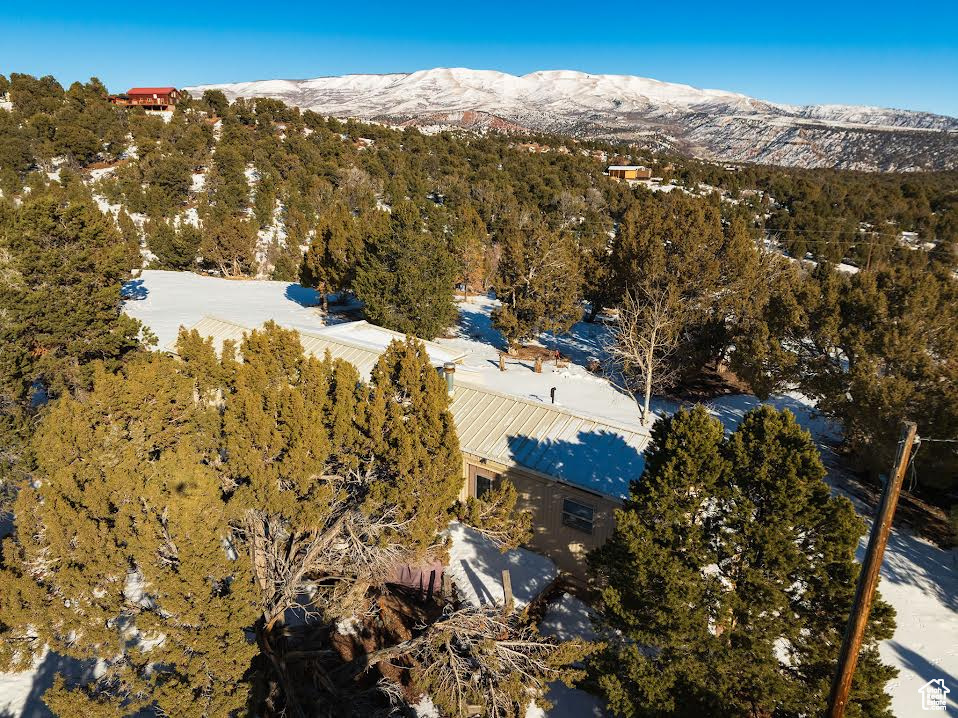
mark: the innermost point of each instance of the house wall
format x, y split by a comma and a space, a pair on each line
543, 497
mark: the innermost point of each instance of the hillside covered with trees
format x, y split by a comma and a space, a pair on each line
401, 219
292, 474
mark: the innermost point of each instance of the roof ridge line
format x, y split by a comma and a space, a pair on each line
558, 409
469, 385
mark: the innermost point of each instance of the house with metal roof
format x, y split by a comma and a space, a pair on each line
572, 470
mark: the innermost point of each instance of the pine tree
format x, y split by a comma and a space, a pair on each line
469, 242
730, 576
423, 472
120, 541
64, 263
131, 237
174, 247
181, 510
406, 278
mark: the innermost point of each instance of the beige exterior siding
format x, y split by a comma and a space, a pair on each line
543, 496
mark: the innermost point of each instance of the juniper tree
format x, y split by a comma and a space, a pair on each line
330, 262
729, 578
406, 277
119, 552
469, 245
229, 246
174, 247
63, 263
182, 510
537, 282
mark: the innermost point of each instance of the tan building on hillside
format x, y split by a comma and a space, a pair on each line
629, 172
571, 470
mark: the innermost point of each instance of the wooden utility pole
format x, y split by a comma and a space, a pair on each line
868, 579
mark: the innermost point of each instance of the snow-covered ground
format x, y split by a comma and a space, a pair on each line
568, 618
577, 389
476, 566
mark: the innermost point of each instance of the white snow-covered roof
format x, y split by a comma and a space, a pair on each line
590, 452
378, 338
627, 167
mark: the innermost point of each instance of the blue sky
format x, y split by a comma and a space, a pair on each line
898, 55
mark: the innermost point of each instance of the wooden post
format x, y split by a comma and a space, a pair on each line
538, 367
502, 362
868, 579
446, 585
507, 591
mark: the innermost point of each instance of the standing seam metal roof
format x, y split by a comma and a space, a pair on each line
589, 452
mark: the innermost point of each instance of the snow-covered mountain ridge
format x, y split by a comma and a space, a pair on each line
714, 124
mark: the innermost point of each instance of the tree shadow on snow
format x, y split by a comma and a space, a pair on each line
134, 289
53, 665
598, 460
303, 296
477, 326
911, 561
482, 591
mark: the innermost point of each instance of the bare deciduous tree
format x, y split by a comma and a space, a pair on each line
647, 334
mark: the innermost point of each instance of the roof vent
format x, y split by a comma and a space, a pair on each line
449, 371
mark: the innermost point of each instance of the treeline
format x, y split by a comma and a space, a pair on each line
170, 515
401, 219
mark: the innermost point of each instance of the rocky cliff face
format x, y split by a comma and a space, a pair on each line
712, 124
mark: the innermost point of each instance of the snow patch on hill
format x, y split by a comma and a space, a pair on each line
724, 125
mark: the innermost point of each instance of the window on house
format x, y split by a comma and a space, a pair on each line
484, 484
578, 516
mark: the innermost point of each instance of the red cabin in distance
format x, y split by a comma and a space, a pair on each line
157, 99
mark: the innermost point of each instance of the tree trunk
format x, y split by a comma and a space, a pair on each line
594, 310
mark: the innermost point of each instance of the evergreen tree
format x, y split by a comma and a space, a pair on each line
469, 246
730, 576
423, 471
131, 238
175, 248
406, 278
63, 265
884, 347
120, 543
329, 264
229, 246
181, 510
538, 282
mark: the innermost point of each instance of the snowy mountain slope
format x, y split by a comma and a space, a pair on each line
715, 124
